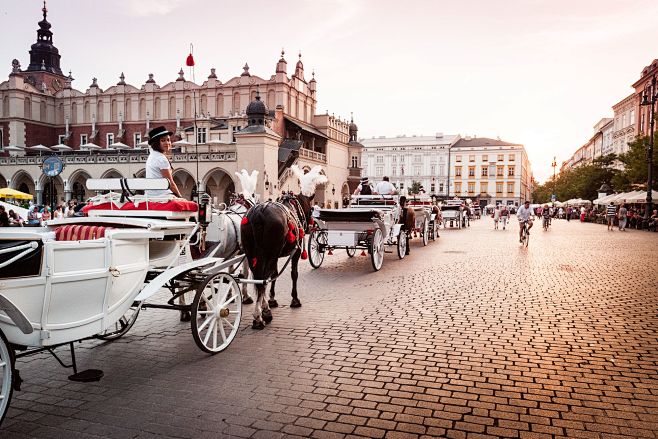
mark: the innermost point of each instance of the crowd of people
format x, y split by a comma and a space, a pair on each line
37, 215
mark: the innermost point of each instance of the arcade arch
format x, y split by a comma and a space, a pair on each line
3, 181
111, 173
22, 181
219, 185
185, 182
52, 190
77, 184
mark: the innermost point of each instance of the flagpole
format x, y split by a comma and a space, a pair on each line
190, 64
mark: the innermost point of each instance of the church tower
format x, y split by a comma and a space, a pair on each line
44, 56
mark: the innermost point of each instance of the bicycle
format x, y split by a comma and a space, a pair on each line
546, 223
525, 236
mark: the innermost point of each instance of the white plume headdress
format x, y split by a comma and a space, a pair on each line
309, 181
248, 183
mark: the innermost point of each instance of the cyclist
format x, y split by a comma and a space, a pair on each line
524, 215
546, 215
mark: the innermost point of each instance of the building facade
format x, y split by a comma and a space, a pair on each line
625, 123
648, 72
41, 106
490, 170
405, 160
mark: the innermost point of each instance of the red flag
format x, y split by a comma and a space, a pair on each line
190, 60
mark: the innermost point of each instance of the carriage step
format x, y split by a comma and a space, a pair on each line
388, 251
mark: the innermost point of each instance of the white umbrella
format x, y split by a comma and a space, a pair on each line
216, 142
182, 142
141, 145
61, 147
119, 145
13, 150
90, 146
41, 148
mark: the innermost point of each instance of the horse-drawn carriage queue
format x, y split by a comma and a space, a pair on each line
112, 262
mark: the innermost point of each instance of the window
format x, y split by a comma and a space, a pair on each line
485, 158
499, 187
484, 188
380, 159
2, 137
501, 157
471, 187
458, 171
83, 139
109, 137
510, 187
471, 158
402, 159
379, 171
60, 138
471, 171
418, 159
511, 157
510, 171
355, 161
458, 159
441, 170
137, 138
395, 170
401, 170
432, 188
432, 169
394, 159
201, 135
485, 171
458, 188
416, 171
441, 187
642, 123
499, 171
401, 186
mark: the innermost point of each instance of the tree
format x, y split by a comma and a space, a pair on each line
635, 170
414, 189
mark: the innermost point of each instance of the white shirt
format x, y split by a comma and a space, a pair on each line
523, 214
156, 162
385, 188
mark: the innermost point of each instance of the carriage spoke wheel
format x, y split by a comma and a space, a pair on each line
316, 248
351, 251
402, 244
216, 313
426, 231
121, 326
6, 375
377, 249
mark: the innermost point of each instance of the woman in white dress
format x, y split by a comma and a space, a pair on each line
157, 165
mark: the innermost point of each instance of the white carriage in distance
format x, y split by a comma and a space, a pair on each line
452, 212
89, 277
427, 217
371, 224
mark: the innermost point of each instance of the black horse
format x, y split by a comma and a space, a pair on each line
270, 231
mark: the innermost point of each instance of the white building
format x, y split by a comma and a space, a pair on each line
625, 125
404, 160
490, 171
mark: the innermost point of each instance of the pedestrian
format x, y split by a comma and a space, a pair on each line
59, 212
15, 219
504, 215
4, 217
569, 213
45, 213
611, 213
622, 217
364, 187
385, 187
496, 217
33, 216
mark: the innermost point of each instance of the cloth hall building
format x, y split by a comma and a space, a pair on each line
248, 121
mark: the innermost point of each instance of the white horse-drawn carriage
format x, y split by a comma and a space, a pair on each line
452, 212
427, 215
371, 223
89, 277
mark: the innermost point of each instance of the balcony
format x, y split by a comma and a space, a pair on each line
354, 172
312, 155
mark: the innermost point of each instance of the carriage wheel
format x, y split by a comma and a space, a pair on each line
377, 249
402, 244
121, 326
216, 313
425, 231
316, 246
351, 251
6, 375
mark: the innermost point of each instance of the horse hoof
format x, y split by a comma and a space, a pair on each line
295, 303
267, 315
248, 301
257, 324
185, 316
273, 303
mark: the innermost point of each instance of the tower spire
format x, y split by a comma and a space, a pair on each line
43, 50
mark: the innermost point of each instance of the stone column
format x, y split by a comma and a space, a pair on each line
39, 200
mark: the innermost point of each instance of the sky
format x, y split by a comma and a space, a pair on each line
537, 72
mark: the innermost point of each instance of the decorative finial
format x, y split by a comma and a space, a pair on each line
180, 75
283, 52
43, 64
351, 117
122, 79
212, 73
150, 80
246, 70
70, 75
15, 66
300, 54
313, 75
94, 82
44, 9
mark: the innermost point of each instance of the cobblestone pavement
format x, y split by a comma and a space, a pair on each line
472, 336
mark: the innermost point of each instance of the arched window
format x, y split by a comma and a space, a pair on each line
28, 107
129, 110
142, 109
60, 114
204, 104
113, 110
172, 107
5, 107
270, 99
74, 112
253, 96
188, 107
157, 111
219, 105
86, 117
100, 112
236, 102
43, 110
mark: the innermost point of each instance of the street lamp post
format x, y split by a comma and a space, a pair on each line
554, 165
649, 97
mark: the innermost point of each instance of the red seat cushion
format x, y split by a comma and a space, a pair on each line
77, 232
169, 206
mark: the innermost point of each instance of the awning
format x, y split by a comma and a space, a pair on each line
287, 147
306, 127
